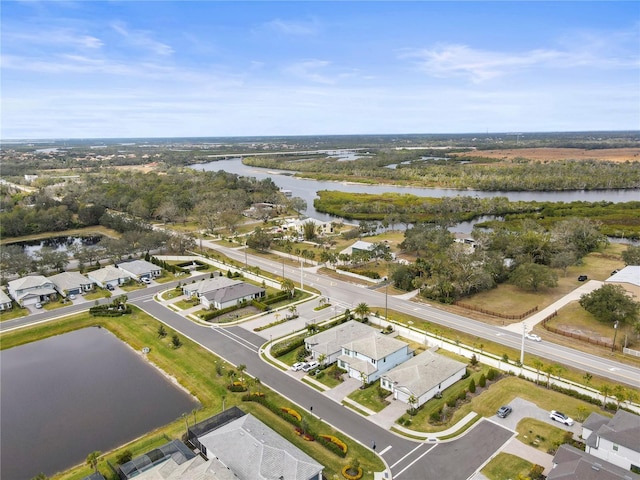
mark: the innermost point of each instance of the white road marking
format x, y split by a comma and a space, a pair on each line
411, 464
385, 450
407, 455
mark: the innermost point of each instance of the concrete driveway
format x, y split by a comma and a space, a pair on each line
525, 409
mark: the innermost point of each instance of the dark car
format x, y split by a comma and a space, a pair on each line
582, 278
504, 411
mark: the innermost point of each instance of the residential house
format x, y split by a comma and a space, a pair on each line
222, 292
466, 240
32, 289
328, 344
570, 463
358, 246
71, 283
250, 449
615, 440
422, 377
5, 301
139, 269
629, 279
160, 463
108, 277
297, 226
370, 357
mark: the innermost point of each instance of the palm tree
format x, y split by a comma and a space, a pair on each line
241, 368
549, 370
537, 364
412, 403
258, 383
321, 358
605, 390
620, 393
362, 310
92, 459
288, 286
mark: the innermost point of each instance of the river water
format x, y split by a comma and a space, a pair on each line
306, 189
66, 396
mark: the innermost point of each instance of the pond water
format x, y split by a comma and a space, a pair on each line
66, 396
58, 244
306, 188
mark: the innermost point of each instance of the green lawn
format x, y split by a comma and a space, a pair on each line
97, 293
327, 377
540, 434
15, 312
507, 467
194, 368
369, 397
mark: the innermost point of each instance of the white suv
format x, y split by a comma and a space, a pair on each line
560, 417
310, 366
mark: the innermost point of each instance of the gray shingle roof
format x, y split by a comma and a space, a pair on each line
623, 429
423, 372
138, 267
330, 341
30, 281
255, 452
629, 274
376, 346
4, 298
107, 274
573, 464
68, 280
232, 292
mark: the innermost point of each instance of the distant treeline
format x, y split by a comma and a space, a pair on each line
614, 219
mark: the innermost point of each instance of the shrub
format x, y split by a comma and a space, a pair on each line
236, 388
435, 416
474, 360
491, 374
348, 472
335, 441
482, 382
124, 457
292, 412
462, 396
286, 346
472, 386
451, 403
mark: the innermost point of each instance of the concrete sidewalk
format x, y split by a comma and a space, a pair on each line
572, 296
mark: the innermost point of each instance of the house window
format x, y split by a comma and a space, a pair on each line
615, 447
373, 361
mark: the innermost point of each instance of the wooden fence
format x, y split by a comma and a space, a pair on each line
582, 338
497, 314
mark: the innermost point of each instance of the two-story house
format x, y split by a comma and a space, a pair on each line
31, 289
368, 358
615, 440
327, 345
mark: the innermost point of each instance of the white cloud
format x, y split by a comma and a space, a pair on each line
291, 27
142, 39
311, 70
54, 37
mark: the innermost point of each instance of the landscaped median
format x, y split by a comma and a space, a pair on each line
195, 369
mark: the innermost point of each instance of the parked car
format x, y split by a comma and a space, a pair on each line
38, 305
560, 417
72, 296
532, 336
582, 278
310, 366
298, 366
146, 280
110, 287
504, 411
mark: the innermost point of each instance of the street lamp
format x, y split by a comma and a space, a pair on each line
615, 331
245, 253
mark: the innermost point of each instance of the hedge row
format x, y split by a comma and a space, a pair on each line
263, 307
216, 313
275, 298
285, 347
109, 311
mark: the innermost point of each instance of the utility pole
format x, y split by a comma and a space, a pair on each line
615, 331
245, 254
524, 332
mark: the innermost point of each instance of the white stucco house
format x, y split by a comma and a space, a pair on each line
423, 377
68, 283
570, 463
329, 343
32, 289
615, 440
108, 276
222, 292
628, 278
139, 269
368, 358
5, 301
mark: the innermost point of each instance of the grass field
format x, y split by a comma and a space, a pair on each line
540, 435
507, 467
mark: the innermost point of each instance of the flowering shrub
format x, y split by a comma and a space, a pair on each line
292, 412
350, 476
336, 441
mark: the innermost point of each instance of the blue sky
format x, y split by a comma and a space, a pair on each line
206, 68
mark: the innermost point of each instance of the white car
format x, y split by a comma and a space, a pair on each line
72, 296
532, 336
298, 366
561, 417
310, 366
